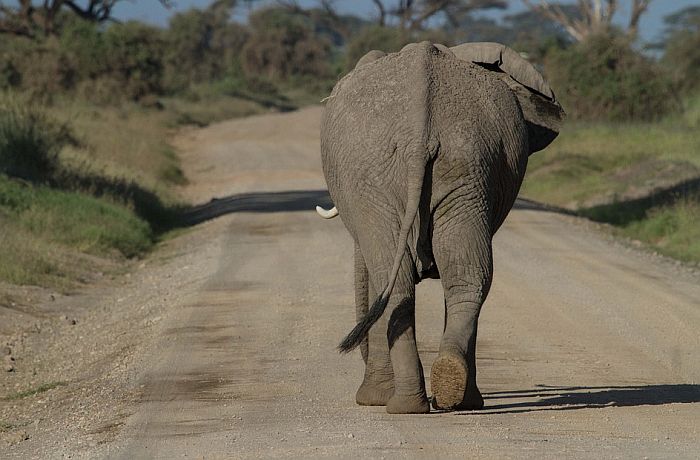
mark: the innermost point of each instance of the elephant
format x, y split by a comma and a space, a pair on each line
424, 151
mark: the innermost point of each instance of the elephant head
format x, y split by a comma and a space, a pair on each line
541, 110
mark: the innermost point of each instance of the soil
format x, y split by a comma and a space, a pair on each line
222, 344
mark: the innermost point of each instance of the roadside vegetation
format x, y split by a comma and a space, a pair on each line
88, 178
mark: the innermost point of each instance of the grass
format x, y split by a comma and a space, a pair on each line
594, 161
643, 178
673, 230
89, 182
83, 185
33, 391
77, 220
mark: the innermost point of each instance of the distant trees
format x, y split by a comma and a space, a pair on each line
413, 14
682, 49
284, 44
604, 78
28, 18
202, 45
597, 71
593, 17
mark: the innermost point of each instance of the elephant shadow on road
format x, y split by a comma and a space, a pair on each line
572, 398
258, 202
286, 201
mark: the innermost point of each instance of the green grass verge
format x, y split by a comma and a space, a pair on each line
99, 180
602, 161
628, 175
77, 220
33, 391
672, 229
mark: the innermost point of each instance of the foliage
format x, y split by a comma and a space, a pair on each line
682, 49
201, 46
413, 15
29, 141
590, 18
604, 78
122, 62
283, 44
389, 40
43, 19
134, 57
386, 39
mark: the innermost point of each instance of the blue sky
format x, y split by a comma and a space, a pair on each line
153, 12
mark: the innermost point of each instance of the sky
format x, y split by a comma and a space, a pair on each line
651, 24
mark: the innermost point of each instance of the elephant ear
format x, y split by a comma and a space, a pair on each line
543, 113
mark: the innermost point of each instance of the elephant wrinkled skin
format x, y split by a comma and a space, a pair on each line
424, 152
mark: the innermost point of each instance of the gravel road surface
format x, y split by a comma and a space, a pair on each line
588, 348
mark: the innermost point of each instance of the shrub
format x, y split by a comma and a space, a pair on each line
86, 44
389, 40
375, 37
29, 141
41, 69
283, 44
134, 58
605, 78
681, 44
682, 59
201, 46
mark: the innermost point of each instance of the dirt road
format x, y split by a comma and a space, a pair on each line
587, 349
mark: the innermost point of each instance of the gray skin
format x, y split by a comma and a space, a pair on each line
424, 152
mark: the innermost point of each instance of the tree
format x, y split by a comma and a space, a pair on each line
605, 78
283, 44
525, 31
682, 48
594, 16
413, 14
328, 23
202, 44
27, 18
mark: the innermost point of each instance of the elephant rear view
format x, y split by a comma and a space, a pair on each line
424, 152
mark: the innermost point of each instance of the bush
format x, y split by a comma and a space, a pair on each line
29, 141
283, 44
201, 46
85, 43
375, 37
40, 69
389, 40
682, 59
604, 78
134, 58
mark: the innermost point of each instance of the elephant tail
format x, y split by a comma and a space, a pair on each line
415, 190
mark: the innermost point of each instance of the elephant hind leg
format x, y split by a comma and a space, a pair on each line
392, 338
378, 383
462, 248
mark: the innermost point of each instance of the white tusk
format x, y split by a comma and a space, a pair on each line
327, 213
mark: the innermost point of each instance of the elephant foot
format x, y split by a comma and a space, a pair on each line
404, 404
448, 380
370, 394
